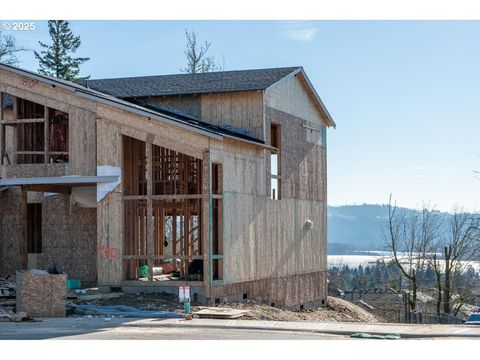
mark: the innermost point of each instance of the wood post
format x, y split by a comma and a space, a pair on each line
14, 132
206, 224
150, 229
24, 235
45, 134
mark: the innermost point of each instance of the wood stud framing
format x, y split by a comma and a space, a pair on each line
30, 136
162, 208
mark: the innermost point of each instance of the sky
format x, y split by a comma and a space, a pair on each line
405, 95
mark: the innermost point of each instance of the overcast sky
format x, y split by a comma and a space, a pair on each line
405, 94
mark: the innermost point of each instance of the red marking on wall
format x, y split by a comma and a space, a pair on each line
109, 252
27, 82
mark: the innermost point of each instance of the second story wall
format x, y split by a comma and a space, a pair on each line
242, 110
57, 138
293, 96
186, 103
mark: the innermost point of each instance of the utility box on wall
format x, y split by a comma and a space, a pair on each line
41, 294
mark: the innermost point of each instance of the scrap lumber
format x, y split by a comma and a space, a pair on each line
41, 295
93, 297
7, 315
220, 313
366, 305
7, 287
123, 311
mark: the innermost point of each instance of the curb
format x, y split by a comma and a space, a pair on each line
290, 329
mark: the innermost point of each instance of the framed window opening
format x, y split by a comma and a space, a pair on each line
31, 133
275, 162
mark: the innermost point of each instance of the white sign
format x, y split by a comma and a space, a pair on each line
183, 293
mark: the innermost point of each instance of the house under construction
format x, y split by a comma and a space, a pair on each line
213, 180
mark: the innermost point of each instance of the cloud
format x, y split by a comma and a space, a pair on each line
303, 31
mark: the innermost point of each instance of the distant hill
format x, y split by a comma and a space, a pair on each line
357, 227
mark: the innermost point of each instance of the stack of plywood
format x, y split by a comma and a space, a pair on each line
41, 294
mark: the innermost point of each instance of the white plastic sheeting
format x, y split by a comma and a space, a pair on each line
104, 188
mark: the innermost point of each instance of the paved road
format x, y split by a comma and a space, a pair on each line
120, 329
117, 328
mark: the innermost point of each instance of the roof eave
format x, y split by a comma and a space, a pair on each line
329, 118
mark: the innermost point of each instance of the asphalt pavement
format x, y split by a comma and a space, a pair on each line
171, 329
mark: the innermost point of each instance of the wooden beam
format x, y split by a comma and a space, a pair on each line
45, 134
150, 229
22, 121
14, 133
24, 236
206, 223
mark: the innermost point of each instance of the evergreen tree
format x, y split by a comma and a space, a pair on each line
57, 59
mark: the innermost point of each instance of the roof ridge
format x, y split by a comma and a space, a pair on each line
197, 74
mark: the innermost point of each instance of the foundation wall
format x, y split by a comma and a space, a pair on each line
301, 291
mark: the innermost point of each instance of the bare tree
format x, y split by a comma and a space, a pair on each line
197, 59
459, 247
410, 238
9, 50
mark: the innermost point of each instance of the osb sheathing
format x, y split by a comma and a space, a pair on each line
69, 238
41, 295
265, 238
10, 231
303, 164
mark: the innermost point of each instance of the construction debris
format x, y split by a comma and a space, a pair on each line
370, 307
7, 315
7, 287
123, 311
376, 336
99, 296
41, 294
220, 313
336, 309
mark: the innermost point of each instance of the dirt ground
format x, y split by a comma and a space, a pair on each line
337, 310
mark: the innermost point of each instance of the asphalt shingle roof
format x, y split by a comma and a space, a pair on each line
183, 84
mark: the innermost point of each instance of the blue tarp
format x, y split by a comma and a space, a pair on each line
124, 311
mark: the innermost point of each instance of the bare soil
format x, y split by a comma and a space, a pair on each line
337, 310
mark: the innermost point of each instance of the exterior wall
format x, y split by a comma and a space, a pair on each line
82, 119
12, 250
268, 251
301, 291
112, 124
68, 232
187, 103
68, 236
292, 96
303, 161
239, 109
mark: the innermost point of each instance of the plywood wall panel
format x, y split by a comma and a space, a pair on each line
292, 96
83, 134
240, 109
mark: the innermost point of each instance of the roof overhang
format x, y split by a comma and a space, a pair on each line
122, 104
58, 180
